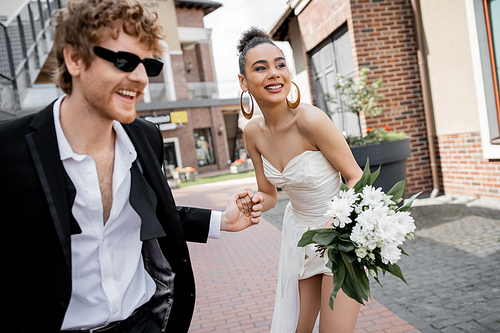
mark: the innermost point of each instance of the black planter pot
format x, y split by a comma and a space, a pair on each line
390, 156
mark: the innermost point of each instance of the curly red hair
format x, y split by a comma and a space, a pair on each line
84, 23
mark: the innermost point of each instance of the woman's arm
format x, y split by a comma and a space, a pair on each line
266, 189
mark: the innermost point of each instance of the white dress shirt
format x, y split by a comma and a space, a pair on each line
109, 280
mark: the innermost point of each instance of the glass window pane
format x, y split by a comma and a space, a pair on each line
204, 146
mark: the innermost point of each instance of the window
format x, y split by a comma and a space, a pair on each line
170, 158
331, 57
204, 146
492, 13
172, 155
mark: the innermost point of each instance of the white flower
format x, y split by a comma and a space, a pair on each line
387, 200
405, 222
361, 252
372, 197
340, 210
370, 217
350, 196
390, 253
358, 235
386, 231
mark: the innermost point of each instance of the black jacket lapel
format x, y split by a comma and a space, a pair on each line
143, 200
58, 189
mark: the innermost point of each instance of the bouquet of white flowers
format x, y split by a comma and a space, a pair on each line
368, 229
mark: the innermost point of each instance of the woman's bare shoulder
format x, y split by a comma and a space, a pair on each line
254, 125
309, 116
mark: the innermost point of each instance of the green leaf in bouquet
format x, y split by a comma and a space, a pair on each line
307, 238
333, 246
338, 279
344, 187
351, 290
376, 279
403, 251
408, 203
374, 176
359, 271
395, 270
373, 271
345, 246
325, 237
346, 236
365, 177
334, 257
351, 256
356, 282
397, 191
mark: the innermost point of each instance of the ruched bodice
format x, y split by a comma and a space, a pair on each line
310, 181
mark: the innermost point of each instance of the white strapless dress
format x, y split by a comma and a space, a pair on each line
310, 181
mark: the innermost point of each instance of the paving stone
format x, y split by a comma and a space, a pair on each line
473, 326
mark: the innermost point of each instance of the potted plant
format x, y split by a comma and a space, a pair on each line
385, 148
185, 174
237, 166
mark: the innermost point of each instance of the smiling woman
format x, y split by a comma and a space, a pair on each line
297, 148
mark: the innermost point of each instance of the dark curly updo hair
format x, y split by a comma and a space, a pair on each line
248, 40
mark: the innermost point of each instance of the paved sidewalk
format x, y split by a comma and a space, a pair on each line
236, 275
453, 269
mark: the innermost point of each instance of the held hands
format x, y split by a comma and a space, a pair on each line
243, 210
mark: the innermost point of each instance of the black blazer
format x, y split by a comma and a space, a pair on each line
36, 197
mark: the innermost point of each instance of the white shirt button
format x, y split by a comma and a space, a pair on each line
89, 171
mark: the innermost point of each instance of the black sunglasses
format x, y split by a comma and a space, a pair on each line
127, 62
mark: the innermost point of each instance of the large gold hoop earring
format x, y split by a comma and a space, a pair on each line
295, 104
245, 114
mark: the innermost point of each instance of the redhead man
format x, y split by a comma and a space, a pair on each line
95, 241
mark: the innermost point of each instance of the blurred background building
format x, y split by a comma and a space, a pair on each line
199, 129
439, 61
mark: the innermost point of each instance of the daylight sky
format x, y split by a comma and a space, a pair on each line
227, 24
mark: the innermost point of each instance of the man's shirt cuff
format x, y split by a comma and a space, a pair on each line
215, 220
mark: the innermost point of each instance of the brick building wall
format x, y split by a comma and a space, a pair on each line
198, 118
205, 61
179, 73
190, 17
321, 18
383, 38
191, 64
194, 64
463, 168
385, 41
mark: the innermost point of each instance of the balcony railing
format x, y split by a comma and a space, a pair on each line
202, 90
195, 90
25, 42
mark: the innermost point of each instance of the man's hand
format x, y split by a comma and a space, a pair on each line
235, 220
